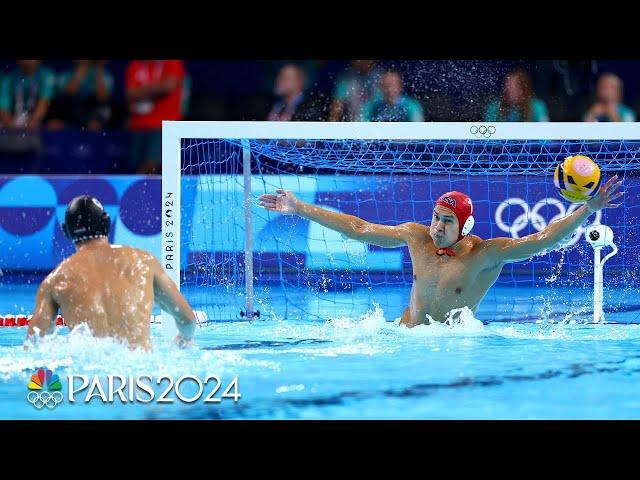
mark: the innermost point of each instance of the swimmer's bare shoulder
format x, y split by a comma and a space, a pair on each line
482, 252
477, 242
60, 273
414, 228
411, 231
143, 255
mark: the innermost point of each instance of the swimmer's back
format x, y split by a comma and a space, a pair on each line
110, 287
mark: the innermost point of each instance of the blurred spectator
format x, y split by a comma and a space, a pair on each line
394, 106
84, 97
311, 70
608, 106
357, 86
25, 94
154, 90
517, 102
564, 85
294, 104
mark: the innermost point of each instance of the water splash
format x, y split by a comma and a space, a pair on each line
458, 322
78, 352
557, 268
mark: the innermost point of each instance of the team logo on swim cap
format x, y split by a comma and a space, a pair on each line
450, 201
41, 398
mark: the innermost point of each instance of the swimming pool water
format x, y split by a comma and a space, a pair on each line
361, 366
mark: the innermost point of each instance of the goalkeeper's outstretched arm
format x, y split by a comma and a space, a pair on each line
285, 202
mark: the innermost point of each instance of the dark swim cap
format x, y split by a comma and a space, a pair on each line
85, 219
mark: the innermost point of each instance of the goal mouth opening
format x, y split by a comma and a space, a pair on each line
301, 269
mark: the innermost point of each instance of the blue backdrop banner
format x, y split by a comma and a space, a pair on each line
32, 210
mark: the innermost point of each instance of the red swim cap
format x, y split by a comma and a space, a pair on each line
460, 204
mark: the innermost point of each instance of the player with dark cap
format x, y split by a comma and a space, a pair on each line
452, 269
111, 288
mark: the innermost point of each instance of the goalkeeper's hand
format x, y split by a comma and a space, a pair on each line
283, 201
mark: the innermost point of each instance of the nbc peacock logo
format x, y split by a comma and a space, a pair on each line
44, 389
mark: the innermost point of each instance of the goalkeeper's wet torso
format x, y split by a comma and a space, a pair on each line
442, 283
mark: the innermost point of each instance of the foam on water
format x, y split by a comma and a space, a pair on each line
261, 346
371, 326
79, 352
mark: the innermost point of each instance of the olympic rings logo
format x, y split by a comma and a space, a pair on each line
482, 131
532, 216
44, 399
